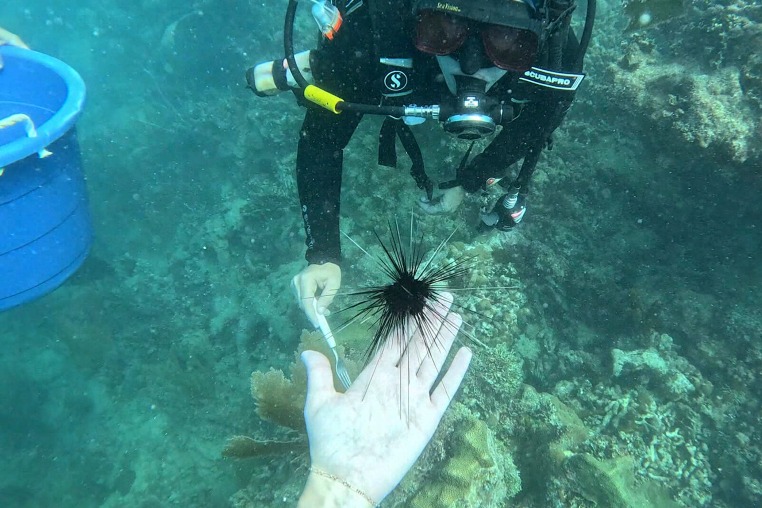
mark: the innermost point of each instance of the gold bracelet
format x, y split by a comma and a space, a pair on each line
326, 474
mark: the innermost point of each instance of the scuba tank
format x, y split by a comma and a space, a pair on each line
274, 77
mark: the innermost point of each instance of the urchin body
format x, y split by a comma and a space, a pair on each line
413, 284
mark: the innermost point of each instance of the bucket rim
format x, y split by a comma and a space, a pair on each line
61, 121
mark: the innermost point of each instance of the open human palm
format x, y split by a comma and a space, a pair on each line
370, 436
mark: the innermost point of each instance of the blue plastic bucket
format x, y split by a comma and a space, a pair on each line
45, 228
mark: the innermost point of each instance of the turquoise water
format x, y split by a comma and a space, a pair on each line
634, 327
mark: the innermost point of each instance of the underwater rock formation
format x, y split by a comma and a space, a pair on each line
708, 109
476, 470
696, 74
611, 483
659, 413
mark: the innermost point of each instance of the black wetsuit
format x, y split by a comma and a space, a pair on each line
347, 66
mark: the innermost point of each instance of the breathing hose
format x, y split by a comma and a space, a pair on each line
316, 94
587, 34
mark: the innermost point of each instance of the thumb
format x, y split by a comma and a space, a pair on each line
319, 380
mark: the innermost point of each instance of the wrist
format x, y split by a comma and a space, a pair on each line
323, 257
325, 490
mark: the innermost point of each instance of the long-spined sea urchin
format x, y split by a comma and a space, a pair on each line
413, 283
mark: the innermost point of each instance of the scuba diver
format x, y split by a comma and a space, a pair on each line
473, 65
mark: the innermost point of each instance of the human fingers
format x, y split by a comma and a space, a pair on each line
12, 39
444, 392
390, 351
319, 381
424, 341
304, 288
331, 286
437, 352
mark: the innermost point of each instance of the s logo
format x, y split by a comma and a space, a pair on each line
395, 81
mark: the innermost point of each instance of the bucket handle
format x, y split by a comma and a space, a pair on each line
28, 126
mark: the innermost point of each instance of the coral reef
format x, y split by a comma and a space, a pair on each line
634, 320
280, 399
611, 483
695, 74
650, 363
500, 375
657, 414
494, 299
552, 441
464, 465
242, 447
708, 109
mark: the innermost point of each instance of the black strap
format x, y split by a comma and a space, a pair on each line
280, 78
387, 152
417, 170
387, 149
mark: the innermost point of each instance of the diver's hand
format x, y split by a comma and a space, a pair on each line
447, 202
327, 278
363, 442
10, 39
